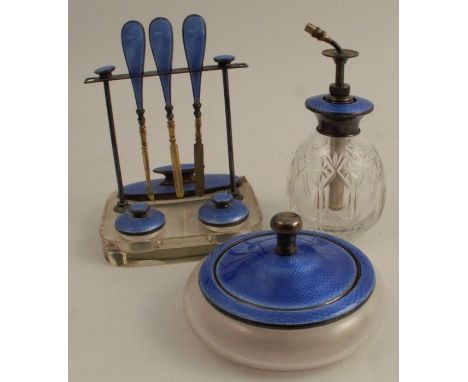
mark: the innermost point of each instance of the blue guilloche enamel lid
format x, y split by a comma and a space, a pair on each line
223, 211
325, 279
359, 106
339, 119
140, 219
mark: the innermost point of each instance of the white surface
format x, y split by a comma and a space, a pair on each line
128, 324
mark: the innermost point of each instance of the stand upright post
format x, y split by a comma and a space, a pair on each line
105, 72
223, 62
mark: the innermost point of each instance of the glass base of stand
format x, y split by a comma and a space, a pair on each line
183, 237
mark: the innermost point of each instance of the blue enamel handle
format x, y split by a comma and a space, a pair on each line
161, 40
133, 45
194, 35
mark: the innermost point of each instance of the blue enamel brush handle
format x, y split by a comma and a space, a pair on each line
161, 40
133, 45
194, 35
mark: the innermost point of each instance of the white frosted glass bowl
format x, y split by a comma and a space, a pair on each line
284, 300
278, 349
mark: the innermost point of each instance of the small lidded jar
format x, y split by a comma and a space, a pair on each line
140, 222
223, 213
284, 299
336, 180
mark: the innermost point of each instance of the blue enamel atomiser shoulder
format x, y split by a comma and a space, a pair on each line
301, 278
223, 211
139, 220
338, 113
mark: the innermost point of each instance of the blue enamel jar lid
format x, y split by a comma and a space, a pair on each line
287, 277
223, 211
140, 219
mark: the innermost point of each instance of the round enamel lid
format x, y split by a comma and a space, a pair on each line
140, 219
359, 106
223, 211
287, 277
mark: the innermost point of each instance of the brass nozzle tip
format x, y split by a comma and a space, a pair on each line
310, 28
317, 33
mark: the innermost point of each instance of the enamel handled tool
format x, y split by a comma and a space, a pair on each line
133, 45
194, 35
161, 40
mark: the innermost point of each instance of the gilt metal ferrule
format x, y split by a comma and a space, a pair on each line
174, 149
144, 152
198, 152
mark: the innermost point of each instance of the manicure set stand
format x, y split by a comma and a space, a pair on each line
184, 213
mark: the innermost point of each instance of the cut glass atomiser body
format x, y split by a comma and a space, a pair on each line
336, 181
